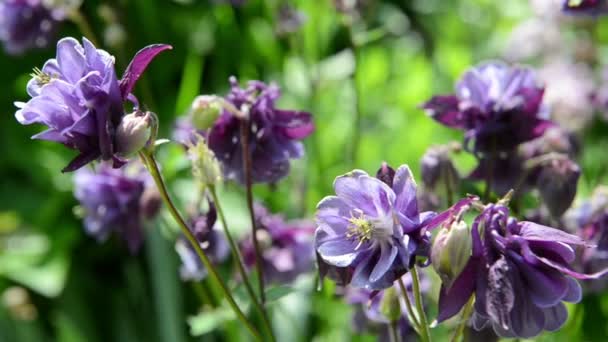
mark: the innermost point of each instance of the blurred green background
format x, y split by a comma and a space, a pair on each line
377, 68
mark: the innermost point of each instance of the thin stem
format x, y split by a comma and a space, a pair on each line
468, 309
424, 325
448, 180
410, 308
239, 263
152, 166
83, 25
393, 333
248, 185
356, 139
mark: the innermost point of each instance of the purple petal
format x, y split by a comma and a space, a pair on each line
138, 65
294, 124
535, 232
444, 108
572, 273
574, 293
387, 256
363, 192
338, 251
404, 187
545, 287
555, 317
71, 59
452, 299
81, 160
500, 295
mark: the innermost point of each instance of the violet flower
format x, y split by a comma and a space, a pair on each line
586, 7
79, 98
519, 273
27, 24
286, 246
370, 233
497, 105
116, 201
274, 136
211, 240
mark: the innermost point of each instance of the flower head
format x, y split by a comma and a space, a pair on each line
286, 246
26, 24
274, 134
114, 202
586, 7
79, 98
520, 274
211, 240
369, 234
498, 106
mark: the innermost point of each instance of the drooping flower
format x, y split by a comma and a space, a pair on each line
211, 240
587, 7
274, 134
436, 166
115, 201
79, 98
497, 105
520, 274
287, 248
370, 233
27, 24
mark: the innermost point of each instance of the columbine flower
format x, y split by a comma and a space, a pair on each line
115, 201
520, 274
498, 106
588, 7
274, 136
286, 246
26, 24
369, 234
211, 240
79, 98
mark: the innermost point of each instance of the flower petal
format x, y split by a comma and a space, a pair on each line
452, 299
138, 65
384, 263
404, 187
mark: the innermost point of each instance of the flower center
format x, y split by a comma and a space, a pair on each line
364, 229
41, 77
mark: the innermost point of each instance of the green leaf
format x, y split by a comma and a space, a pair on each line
208, 320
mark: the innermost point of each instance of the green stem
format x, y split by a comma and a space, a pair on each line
424, 325
468, 309
356, 138
239, 263
393, 333
244, 127
148, 159
83, 25
410, 308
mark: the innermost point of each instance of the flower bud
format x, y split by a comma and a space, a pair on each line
557, 183
133, 132
436, 165
386, 174
390, 306
205, 110
451, 251
205, 166
150, 202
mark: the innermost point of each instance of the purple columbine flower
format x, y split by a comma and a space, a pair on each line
79, 98
116, 201
586, 7
369, 234
26, 24
286, 246
211, 240
274, 134
497, 105
519, 273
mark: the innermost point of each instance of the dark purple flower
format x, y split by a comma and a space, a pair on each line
498, 106
286, 246
274, 134
369, 234
557, 184
587, 7
26, 24
436, 165
115, 201
79, 98
519, 273
211, 240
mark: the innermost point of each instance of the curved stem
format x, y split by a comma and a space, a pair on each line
465, 317
239, 264
410, 308
152, 166
424, 325
244, 127
83, 25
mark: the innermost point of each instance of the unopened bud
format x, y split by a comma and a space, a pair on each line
451, 251
205, 110
436, 165
133, 132
386, 174
557, 184
205, 166
390, 306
